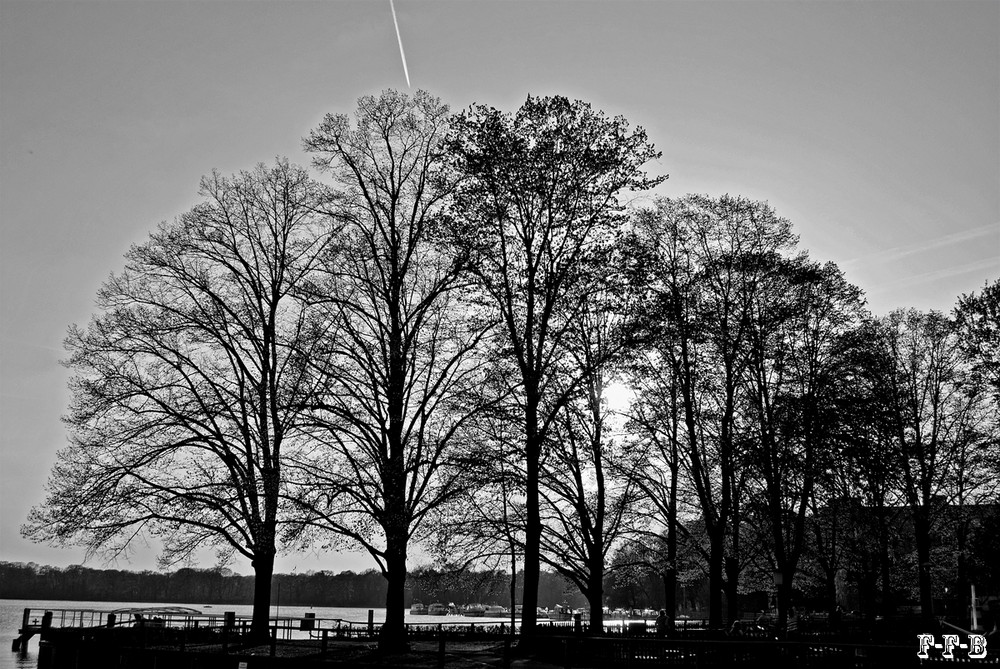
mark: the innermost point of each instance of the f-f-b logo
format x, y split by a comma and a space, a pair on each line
976, 646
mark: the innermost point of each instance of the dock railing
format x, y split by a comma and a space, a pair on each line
567, 643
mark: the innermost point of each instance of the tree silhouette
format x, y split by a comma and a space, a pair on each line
397, 368
938, 416
190, 383
535, 212
701, 265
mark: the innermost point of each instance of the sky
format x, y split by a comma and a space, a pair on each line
873, 126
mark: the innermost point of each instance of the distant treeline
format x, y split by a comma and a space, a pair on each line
222, 586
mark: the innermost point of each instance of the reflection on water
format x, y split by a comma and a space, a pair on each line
28, 660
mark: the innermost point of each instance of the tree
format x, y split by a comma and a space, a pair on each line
702, 271
589, 495
483, 526
534, 211
978, 319
397, 365
661, 269
852, 525
936, 413
801, 316
190, 383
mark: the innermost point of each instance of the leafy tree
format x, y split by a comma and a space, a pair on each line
535, 211
397, 363
978, 318
190, 382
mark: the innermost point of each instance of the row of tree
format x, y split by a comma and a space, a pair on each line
420, 348
222, 586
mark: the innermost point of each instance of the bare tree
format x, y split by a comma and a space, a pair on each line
655, 416
484, 526
398, 372
937, 416
800, 319
589, 493
190, 383
535, 212
702, 273
850, 520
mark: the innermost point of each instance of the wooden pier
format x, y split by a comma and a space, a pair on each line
173, 638
29, 628
189, 627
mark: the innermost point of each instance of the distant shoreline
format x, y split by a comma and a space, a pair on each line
219, 587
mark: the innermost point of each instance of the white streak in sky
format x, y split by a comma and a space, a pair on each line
936, 275
899, 252
401, 54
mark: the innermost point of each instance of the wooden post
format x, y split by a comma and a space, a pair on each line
441, 652
274, 641
322, 647
21, 641
371, 623
45, 654
111, 620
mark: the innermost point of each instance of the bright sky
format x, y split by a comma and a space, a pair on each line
873, 126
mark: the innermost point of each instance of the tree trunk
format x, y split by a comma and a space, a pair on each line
830, 585
884, 565
732, 590
513, 588
715, 579
533, 525
921, 527
784, 597
392, 637
263, 571
670, 592
670, 575
962, 581
595, 597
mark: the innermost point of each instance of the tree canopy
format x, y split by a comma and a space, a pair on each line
417, 350
190, 384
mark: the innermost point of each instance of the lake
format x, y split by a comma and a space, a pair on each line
12, 610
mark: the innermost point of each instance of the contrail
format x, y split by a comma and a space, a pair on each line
899, 252
401, 54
